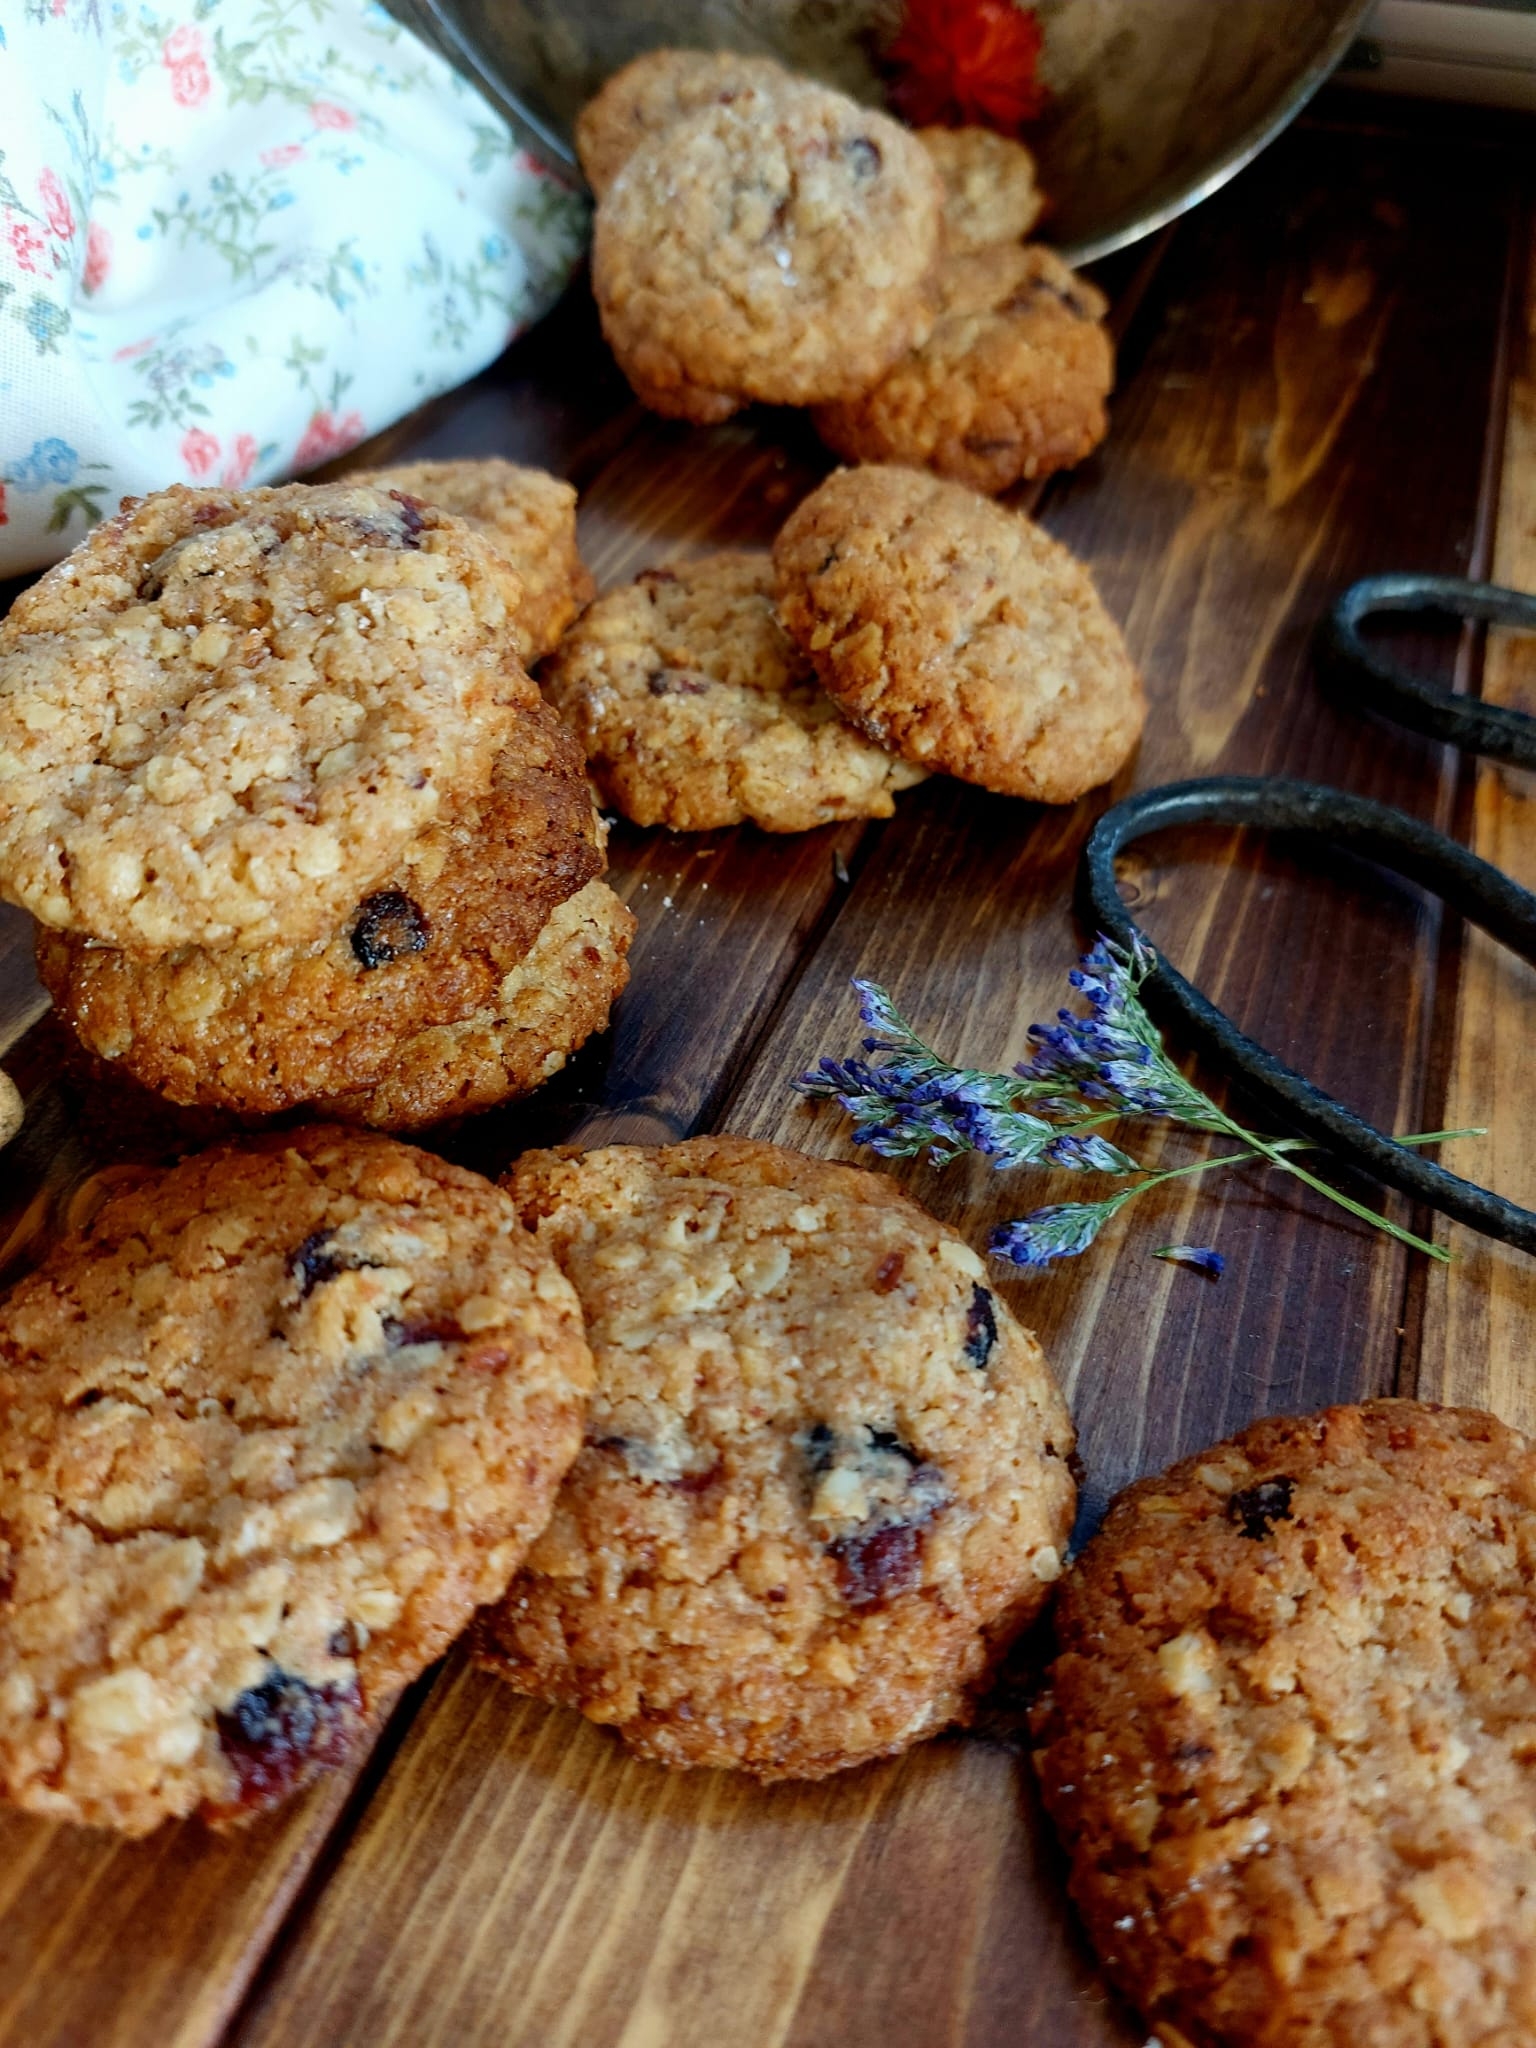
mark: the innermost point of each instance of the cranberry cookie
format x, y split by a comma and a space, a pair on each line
656, 91
270, 1429
1289, 1740
990, 194
825, 1479
545, 1007
529, 516
777, 247
263, 1030
958, 633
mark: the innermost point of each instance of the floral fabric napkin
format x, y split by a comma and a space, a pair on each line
237, 237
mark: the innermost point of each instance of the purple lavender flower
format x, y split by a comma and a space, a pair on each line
1087, 1152
1084, 1070
1199, 1256
1058, 1232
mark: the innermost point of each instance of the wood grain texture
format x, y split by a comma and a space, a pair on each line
517, 1879
1479, 1343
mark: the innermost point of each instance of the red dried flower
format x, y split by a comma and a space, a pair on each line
967, 63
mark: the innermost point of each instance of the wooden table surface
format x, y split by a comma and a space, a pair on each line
1328, 370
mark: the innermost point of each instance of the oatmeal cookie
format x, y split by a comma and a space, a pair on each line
555, 998
226, 713
990, 194
825, 1477
696, 710
1289, 1739
958, 633
529, 516
1010, 384
778, 247
654, 92
270, 1428
264, 1030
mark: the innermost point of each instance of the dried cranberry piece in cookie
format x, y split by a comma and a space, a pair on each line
874, 1565
389, 925
980, 1329
872, 1499
1257, 1508
281, 1732
318, 1260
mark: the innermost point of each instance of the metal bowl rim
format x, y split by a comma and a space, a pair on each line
1120, 236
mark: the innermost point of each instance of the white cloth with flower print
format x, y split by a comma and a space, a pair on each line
236, 237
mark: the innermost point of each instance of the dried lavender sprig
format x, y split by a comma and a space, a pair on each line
1086, 1070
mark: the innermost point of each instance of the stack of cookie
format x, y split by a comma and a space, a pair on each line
296, 824
782, 1476
759, 237
903, 625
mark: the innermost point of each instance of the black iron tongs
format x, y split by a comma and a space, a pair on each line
1481, 893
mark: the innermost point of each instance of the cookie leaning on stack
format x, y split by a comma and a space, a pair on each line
315, 838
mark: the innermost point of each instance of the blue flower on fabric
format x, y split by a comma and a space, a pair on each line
46, 323
51, 462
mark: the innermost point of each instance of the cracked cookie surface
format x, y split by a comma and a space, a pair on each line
825, 1476
264, 1030
273, 1425
1010, 384
957, 633
529, 516
776, 248
696, 710
226, 712
990, 194
1289, 1737
655, 91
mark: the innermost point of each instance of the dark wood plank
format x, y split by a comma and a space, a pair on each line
1291, 425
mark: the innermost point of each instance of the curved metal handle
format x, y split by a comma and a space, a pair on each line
1381, 834
1366, 676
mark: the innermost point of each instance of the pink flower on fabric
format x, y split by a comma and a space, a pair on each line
326, 436
5, 517
130, 349
286, 153
26, 245
242, 460
182, 55
199, 451
326, 114
190, 84
98, 258
61, 220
